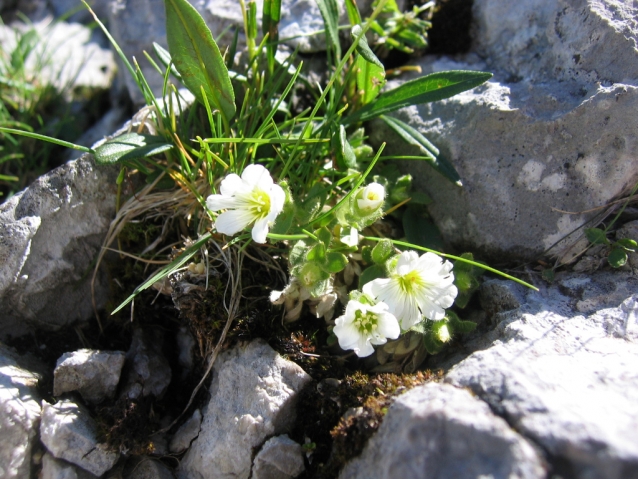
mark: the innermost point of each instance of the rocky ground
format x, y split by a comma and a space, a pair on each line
546, 386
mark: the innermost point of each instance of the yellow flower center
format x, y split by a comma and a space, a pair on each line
410, 282
365, 322
259, 203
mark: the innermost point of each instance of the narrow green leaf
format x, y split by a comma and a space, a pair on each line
413, 137
353, 12
363, 48
433, 87
270, 27
130, 146
48, 139
166, 270
617, 257
330, 12
197, 57
165, 57
596, 236
324, 235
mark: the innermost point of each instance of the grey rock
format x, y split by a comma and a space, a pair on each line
186, 433
587, 40
279, 458
551, 134
19, 415
563, 378
69, 432
53, 468
94, 374
149, 371
439, 431
65, 57
186, 347
252, 398
61, 7
50, 234
146, 468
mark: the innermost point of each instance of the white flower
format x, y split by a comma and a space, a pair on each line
419, 286
363, 325
351, 238
370, 198
253, 198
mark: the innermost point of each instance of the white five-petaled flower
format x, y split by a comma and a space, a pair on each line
253, 198
370, 198
363, 325
418, 286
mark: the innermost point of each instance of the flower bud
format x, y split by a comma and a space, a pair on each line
370, 198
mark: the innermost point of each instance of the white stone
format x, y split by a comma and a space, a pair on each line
279, 458
69, 432
19, 416
439, 431
252, 398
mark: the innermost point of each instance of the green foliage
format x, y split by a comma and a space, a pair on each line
617, 250
197, 57
130, 146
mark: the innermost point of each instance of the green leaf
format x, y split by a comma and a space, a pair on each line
130, 146
324, 235
197, 57
370, 80
420, 230
335, 262
433, 87
414, 137
270, 26
166, 270
382, 251
330, 12
617, 257
433, 345
165, 57
317, 254
457, 325
596, 236
353, 12
627, 244
343, 151
363, 48
371, 273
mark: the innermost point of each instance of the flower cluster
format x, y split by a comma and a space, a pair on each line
417, 288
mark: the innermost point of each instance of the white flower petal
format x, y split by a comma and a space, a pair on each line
257, 176
277, 199
260, 231
230, 185
364, 348
220, 202
389, 326
233, 221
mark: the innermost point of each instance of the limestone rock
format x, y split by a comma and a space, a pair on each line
50, 234
186, 433
69, 432
19, 415
53, 468
252, 398
561, 370
550, 135
146, 468
94, 374
439, 431
279, 458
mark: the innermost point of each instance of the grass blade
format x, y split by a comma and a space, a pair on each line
197, 57
330, 12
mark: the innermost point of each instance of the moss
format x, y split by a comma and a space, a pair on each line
363, 399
